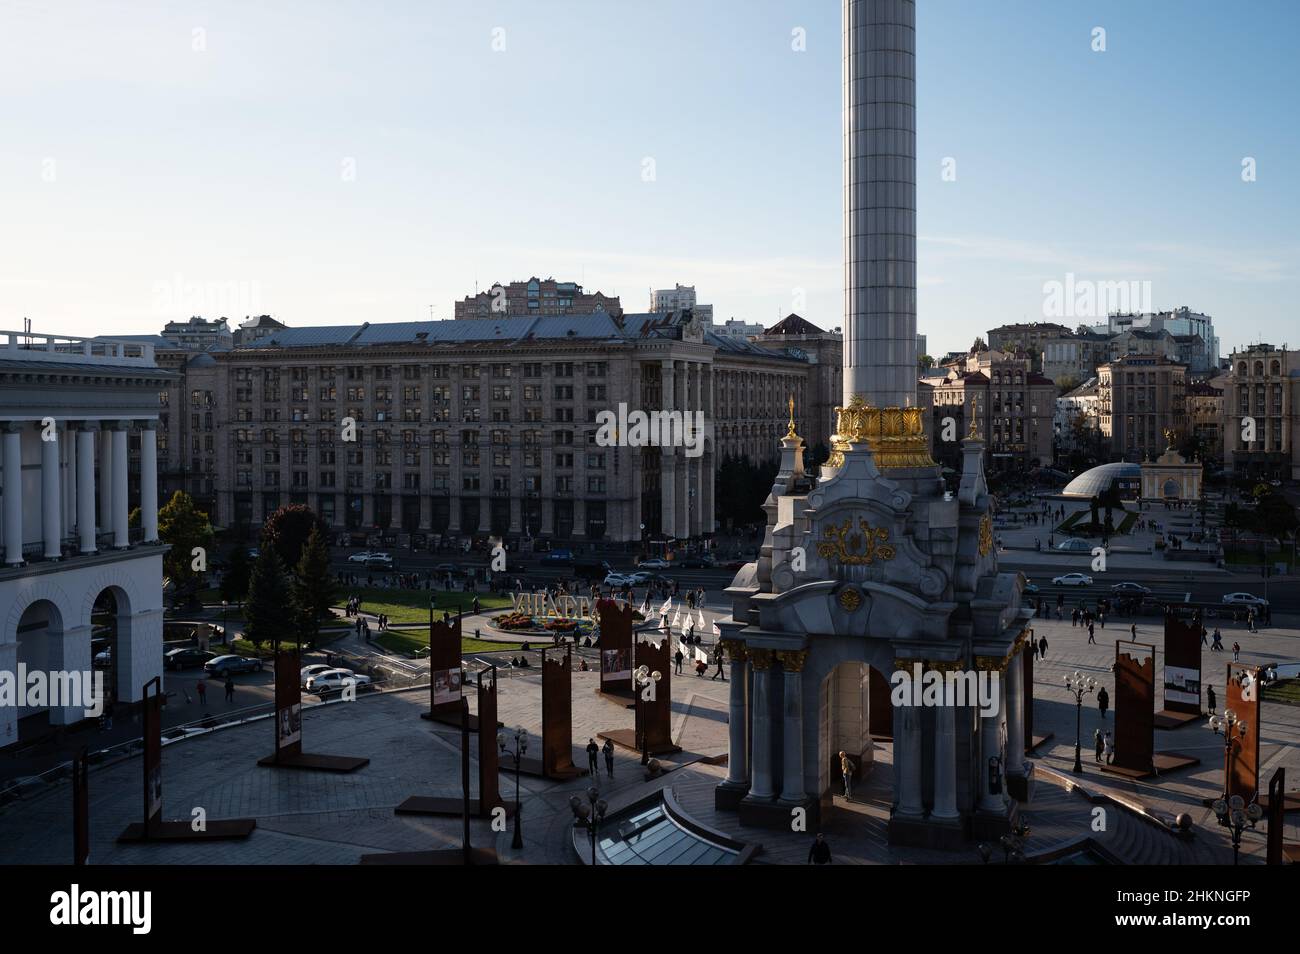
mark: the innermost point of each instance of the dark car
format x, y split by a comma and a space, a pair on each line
224, 666
184, 658
558, 558
698, 563
1130, 589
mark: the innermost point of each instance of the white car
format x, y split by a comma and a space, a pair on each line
1075, 545
380, 560
1243, 599
1073, 579
334, 680
315, 669
653, 565
639, 577
618, 580
359, 557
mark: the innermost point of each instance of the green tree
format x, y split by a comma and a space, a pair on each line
269, 612
924, 362
234, 584
313, 588
184, 527
287, 531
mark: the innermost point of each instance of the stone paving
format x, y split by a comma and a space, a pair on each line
305, 817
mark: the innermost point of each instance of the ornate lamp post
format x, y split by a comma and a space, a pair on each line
520, 735
1079, 685
589, 815
1232, 811
644, 679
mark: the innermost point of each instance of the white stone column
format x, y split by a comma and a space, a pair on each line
1015, 716
667, 491
70, 652
121, 534
792, 790
8, 714
105, 477
149, 480
760, 787
737, 721
68, 482
51, 494
945, 762
13, 491
907, 761
991, 747
86, 487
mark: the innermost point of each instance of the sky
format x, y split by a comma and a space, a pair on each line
336, 162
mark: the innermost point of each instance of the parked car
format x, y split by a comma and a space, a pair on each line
359, 557
223, 666
315, 669
1075, 545
1130, 589
1073, 579
104, 658
185, 658
442, 569
618, 580
653, 565
1244, 599
334, 680
639, 577
702, 562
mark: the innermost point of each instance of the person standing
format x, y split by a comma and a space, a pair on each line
608, 749
820, 852
1110, 749
1133, 630
1236, 652
1103, 701
1209, 697
846, 770
1099, 743
593, 750
202, 688
678, 659
1042, 647
230, 688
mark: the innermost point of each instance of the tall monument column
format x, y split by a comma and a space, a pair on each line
879, 76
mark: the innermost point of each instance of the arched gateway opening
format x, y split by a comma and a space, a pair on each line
854, 715
40, 629
110, 622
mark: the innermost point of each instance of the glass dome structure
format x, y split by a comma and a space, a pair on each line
1099, 479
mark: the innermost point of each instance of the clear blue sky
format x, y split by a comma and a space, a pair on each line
142, 179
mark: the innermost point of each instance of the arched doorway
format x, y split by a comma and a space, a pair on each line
110, 622
1170, 488
854, 715
38, 628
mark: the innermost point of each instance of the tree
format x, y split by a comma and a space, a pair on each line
924, 362
313, 588
287, 531
269, 611
234, 584
184, 527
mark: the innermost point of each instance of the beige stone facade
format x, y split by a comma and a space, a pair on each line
1139, 398
1263, 389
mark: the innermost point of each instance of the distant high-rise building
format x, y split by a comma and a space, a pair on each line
1140, 397
199, 334
739, 329
1177, 321
536, 296
680, 298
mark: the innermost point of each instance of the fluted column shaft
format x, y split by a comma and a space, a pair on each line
86, 488
149, 482
121, 532
51, 492
737, 718
760, 786
792, 789
13, 493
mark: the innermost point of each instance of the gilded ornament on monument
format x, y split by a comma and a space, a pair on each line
859, 547
849, 599
986, 535
895, 435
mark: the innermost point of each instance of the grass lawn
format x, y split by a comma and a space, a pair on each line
327, 635
412, 606
1286, 692
411, 641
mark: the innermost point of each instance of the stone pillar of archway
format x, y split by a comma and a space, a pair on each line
761, 786
69, 652
907, 755
8, 714
792, 784
733, 788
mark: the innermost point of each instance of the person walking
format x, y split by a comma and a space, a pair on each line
820, 852
202, 688
608, 750
1042, 648
593, 751
1092, 634
846, 770
1216, 645
1133, 630
1205, 635
718, 658
1209, 698
1099, 742
1103, 701
1110, 749
678, 658
230, 688
1236, 652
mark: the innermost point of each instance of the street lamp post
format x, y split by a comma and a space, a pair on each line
645, 680
520, 747
225, 635
1079, 686
1231, 810
589, 815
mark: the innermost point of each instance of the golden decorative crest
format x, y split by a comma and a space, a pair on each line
855, 547
986, 535
849, 598
895, 435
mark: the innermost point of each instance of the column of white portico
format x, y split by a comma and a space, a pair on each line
1015, 716
907, 756
105, 477
149, 480
792, 790
68, 481
991, 746
696, 462
121, 532
760, 786
668, 500
13, 491
86, 486
51, 492
737, 723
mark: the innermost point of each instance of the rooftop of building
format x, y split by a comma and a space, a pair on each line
39, 349
793, 324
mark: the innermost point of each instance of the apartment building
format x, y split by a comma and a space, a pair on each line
1139, 398
536, 297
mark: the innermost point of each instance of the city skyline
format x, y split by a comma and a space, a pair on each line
174, 161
